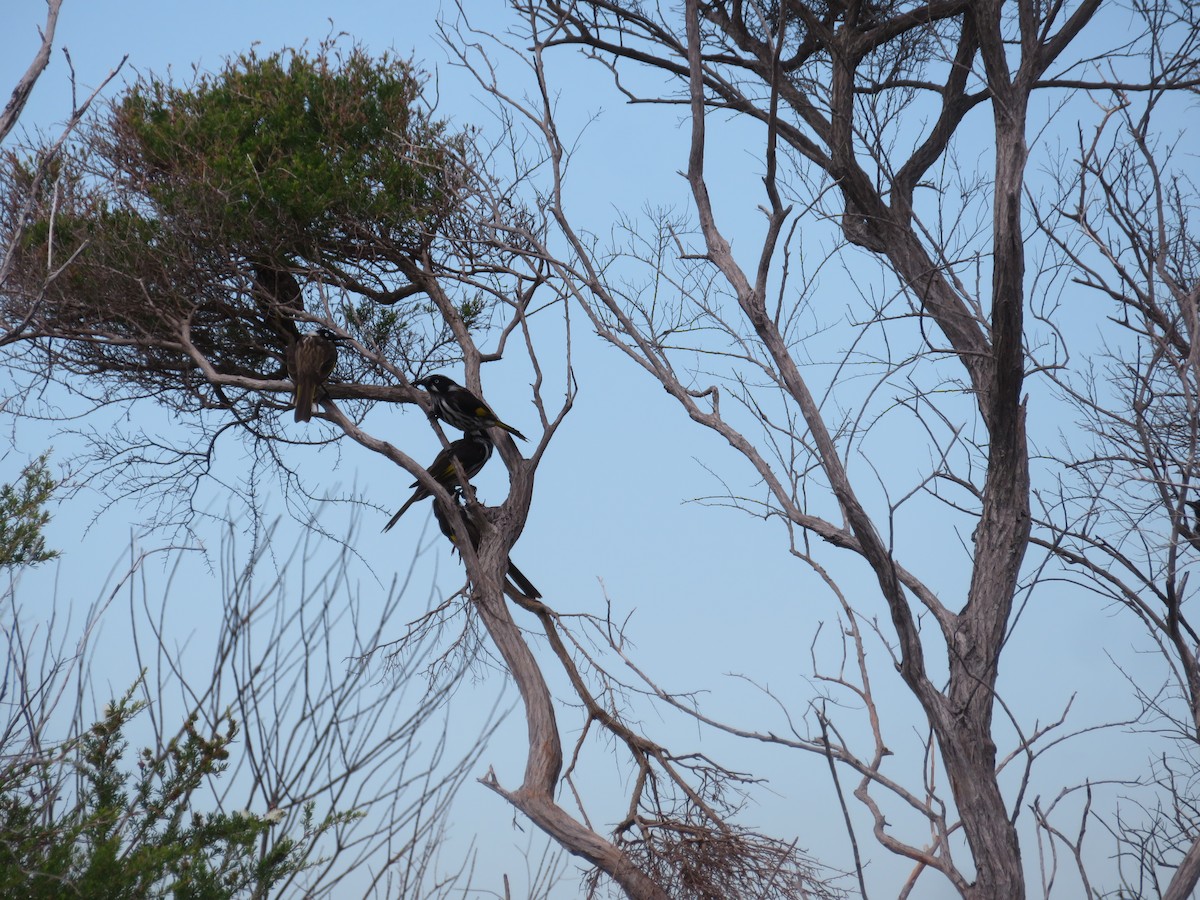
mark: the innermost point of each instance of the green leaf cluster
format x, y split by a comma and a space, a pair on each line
305, 149
135, 836
23, 516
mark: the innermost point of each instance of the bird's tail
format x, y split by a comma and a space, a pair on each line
511, 430
305, 394
401, 511
524, 585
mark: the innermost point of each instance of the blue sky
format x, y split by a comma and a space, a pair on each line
712, 591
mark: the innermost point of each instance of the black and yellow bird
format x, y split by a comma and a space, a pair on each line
456, 406
310, 360
472, 452
518, 579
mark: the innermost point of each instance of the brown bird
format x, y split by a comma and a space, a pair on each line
472, 452
310, 360
519, 582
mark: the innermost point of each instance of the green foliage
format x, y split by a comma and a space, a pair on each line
304, 149
472, 310
23, 516
134, 836
184, 208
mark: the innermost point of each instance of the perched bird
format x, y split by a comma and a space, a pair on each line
519, 581
471, 452
309, 361
457, 406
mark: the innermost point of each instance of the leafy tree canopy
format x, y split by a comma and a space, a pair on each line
209, 224
297, 154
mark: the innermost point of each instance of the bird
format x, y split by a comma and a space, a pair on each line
518, 579
457, 406
309, 361
472, 452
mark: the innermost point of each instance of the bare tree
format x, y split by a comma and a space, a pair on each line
20, 94
861, 116
1126, 520
41, 168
